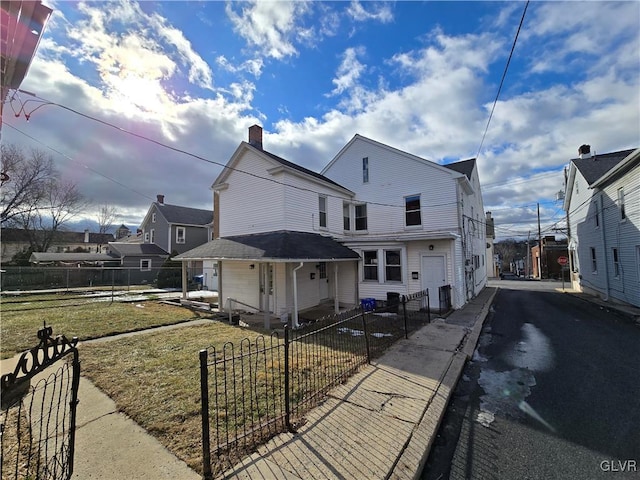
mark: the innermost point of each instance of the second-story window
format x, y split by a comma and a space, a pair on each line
361, 217
181, 234
152, 236
412, 210
153, 217
596, 218
365, 170
623, 213
322, 211
146, 237
346, 216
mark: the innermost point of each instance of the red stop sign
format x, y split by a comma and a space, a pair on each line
563, 260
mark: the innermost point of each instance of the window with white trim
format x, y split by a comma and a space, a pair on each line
623, 213
616, 263
596, 216
370, 265
153, 217
346, 216
365, 170
146, 237
145, 264
412, 211
392, 266
594, 262
181, 234
322, 211
152, 236
361, 217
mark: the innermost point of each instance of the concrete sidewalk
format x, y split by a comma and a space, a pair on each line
382, 422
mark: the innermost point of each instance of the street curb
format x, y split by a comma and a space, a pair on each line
415, 455
471, 341
610, 308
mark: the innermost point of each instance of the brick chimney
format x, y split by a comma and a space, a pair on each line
160, 199
584, 151
255, 136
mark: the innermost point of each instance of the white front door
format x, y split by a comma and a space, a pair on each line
433, 277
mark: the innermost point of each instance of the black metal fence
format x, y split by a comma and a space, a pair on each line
38, 413
257, 389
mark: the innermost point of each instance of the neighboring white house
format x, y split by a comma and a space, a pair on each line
602, 198
416, 224
287, 238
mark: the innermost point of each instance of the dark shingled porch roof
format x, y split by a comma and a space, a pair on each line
282, 245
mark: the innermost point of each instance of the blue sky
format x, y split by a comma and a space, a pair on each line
419, 76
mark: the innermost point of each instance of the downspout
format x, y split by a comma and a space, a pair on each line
294, 318
604, 246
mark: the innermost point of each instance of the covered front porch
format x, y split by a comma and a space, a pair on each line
279, 274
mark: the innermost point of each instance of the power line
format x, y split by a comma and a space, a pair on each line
504, 74
81, 164
43, 102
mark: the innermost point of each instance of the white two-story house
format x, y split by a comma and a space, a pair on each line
376, 221
602, 194
416, 224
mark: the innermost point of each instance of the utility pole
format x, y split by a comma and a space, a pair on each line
539, 245
527, 270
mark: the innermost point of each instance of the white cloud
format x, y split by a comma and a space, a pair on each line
272, 27
199, 72
380, 12
349, 70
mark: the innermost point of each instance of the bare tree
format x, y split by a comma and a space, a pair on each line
106, 217
35, 199
507, 251
23, 181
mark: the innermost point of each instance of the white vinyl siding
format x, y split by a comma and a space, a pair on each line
385, 191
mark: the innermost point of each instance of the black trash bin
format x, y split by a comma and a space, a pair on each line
393, 300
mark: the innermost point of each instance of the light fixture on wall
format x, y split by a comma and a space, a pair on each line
430, 247
252, 266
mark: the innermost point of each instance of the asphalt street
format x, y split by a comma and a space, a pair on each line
552, 391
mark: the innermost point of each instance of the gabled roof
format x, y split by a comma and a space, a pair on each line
282, 245
465, 167
231, 166
185, 215
592, 168
137, 249
358, 137
289, 164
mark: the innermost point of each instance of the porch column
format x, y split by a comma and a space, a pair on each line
336, 300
